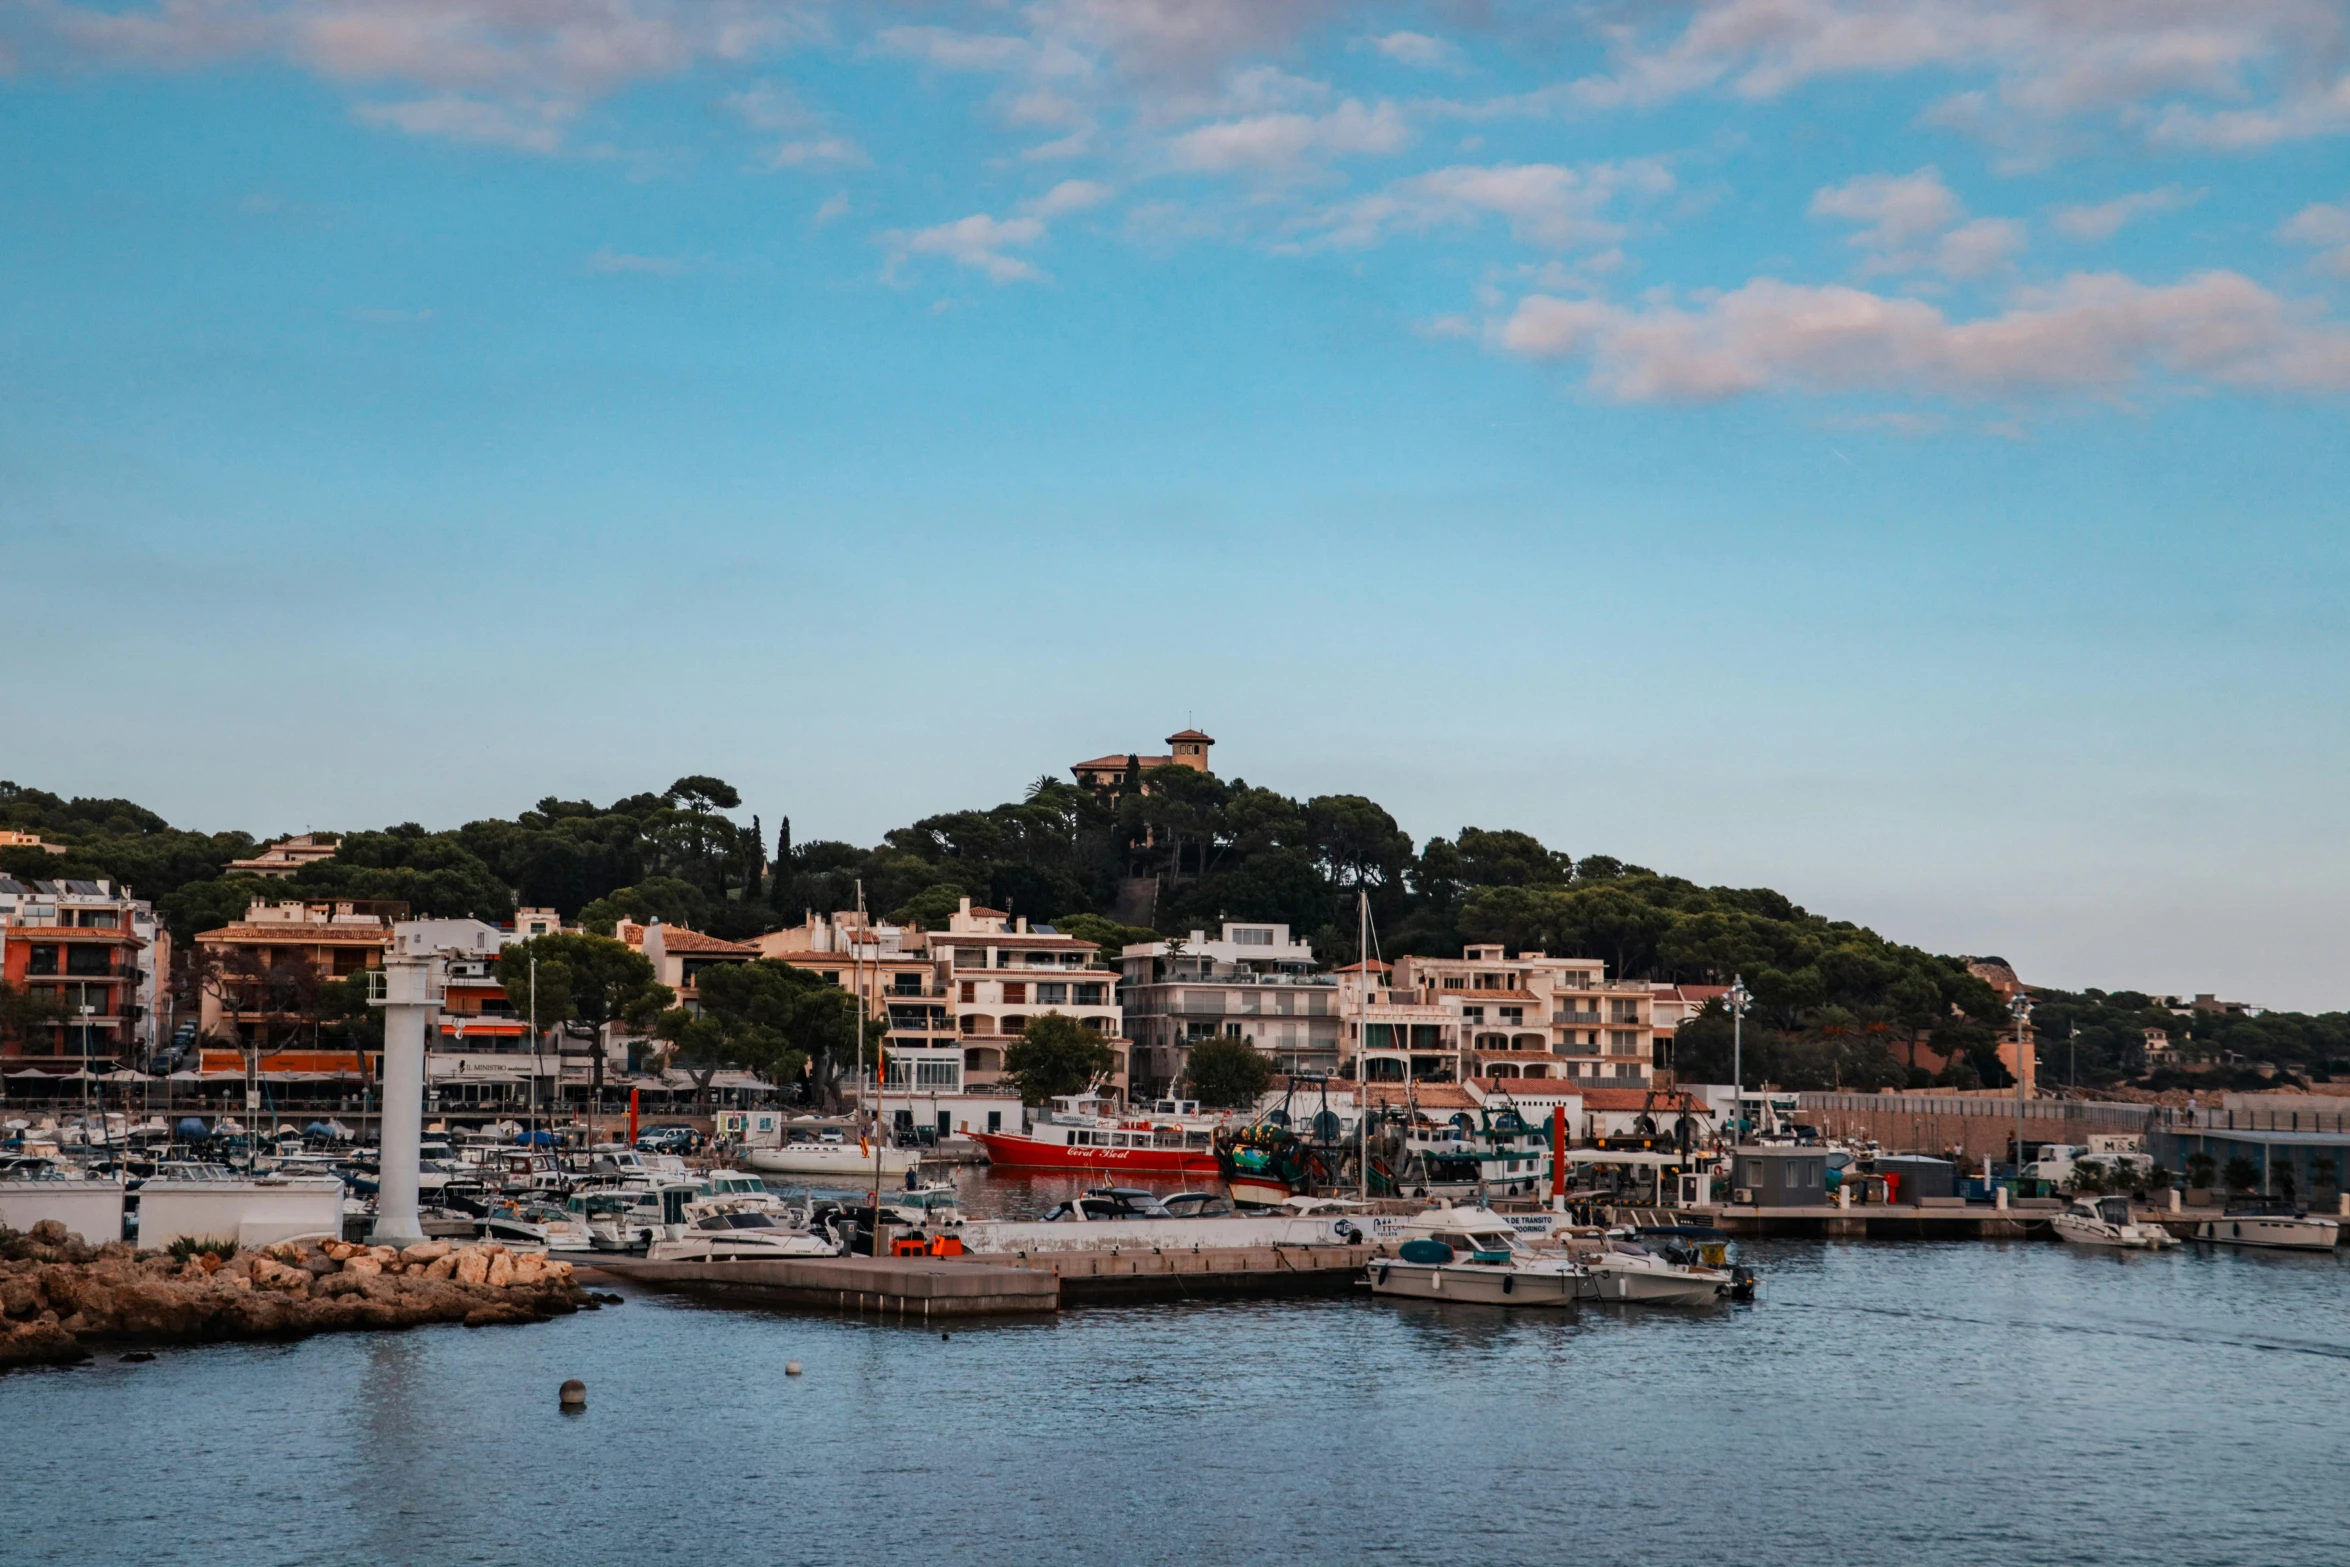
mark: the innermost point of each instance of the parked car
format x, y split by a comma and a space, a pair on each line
668, 1139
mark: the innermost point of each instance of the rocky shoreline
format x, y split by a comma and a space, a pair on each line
61, 1300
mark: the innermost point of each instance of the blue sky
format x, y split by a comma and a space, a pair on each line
1883, 449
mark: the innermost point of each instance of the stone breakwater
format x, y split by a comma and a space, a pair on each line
58, 1297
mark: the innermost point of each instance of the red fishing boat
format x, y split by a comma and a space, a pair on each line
1087, 1132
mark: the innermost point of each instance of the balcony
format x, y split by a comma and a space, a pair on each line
1585, 1018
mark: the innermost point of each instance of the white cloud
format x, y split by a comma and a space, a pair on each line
1897, 210
2097, 334
769, 106
1279, 142
979, 242
989, 53
1545, 204
2324, 227
2049, 58
1176, 40
1907, 219
535, 129
1070, 196
834, 206
817, 152
1418, 50
2104, 219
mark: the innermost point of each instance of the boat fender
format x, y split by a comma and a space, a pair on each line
1509, 1284
1383, 1273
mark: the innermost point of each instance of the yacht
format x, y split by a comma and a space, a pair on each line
1472, 1254
2262, 1222
831, 1156
2106, 1221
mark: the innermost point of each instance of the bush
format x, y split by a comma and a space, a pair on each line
2241, 1175
188, 1246
1227, 1074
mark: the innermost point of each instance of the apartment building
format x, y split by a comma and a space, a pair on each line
99, 958
1392, 1035
284, 857
890, 964
999, 972
1252, 981
1537, 1016
258, 979
1671, 1006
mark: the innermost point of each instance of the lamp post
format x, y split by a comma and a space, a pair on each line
2019, 1007
1739, 998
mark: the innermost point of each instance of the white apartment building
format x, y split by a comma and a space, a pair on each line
1538, 1016
1253, 982
998, 972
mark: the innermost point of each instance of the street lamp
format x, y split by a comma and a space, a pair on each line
2019, 1007
1739, 998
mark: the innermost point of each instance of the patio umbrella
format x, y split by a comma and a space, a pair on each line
192, 1128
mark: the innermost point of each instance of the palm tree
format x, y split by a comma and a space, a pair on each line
2241, 1175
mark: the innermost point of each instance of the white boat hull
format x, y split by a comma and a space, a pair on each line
1666, 1286
1001, 1236
2133, 1237
1480, 1286
738, 1248
2277, 1230
843, 1162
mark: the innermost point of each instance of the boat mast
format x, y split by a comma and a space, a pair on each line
1363, 1043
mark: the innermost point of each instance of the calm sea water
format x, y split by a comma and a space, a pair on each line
1883, 1404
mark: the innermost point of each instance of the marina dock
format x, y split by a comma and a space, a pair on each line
924, 1288
1015, 1285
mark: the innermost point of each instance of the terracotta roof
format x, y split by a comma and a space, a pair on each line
1119, 761
1357, 968
113, 933
676, 938
1640, 1099
292, 935
1480, 997
1544, 1087
1428, 1096
1188, 734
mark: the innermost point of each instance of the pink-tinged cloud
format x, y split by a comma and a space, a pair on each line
980, 242
2050, 58
1545, 204
2093, 221
2094, 334
452, 118
1285, 142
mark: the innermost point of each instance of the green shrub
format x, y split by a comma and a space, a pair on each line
188, 1246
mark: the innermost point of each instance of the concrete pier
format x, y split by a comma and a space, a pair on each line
1133, 1275
922, 1288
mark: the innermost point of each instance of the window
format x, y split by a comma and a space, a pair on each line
1050, 995
1473, 1014
970, 990
1513, 1014
1016, 991
995, 1120
832, 976
1623, 1012
1622, 1042
93, 919
907, 984
1247, 936
1090, 995
970, 957
1455, 982
1232, 1031
43, 960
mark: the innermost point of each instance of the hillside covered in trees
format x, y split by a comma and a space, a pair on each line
1836, 1005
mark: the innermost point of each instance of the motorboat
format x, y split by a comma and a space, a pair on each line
544, 1224
1660, 1274
841, 1160
1108, 1202
736, 1229
2263, 1222
1088, 1132
1196, 1205
1472, 1255
2106, 1221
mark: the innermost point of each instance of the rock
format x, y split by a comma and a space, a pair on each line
19, 1296
425, 1251
441, 1267
502, 1314
138, 1357
206, 1261
271, 1275
51, 1232
529, 1268
501, 1271
362, 1266
472, 1266
342, 1251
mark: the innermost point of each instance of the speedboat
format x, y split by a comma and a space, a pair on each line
2263, 1222
537, 1224
1663, 1275
2106, 1221
1472, 1255
725, 1229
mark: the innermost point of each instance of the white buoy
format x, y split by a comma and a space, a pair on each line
791, 1368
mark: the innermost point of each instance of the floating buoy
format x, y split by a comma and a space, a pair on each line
943, 1337
573, 1395
791, 1368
